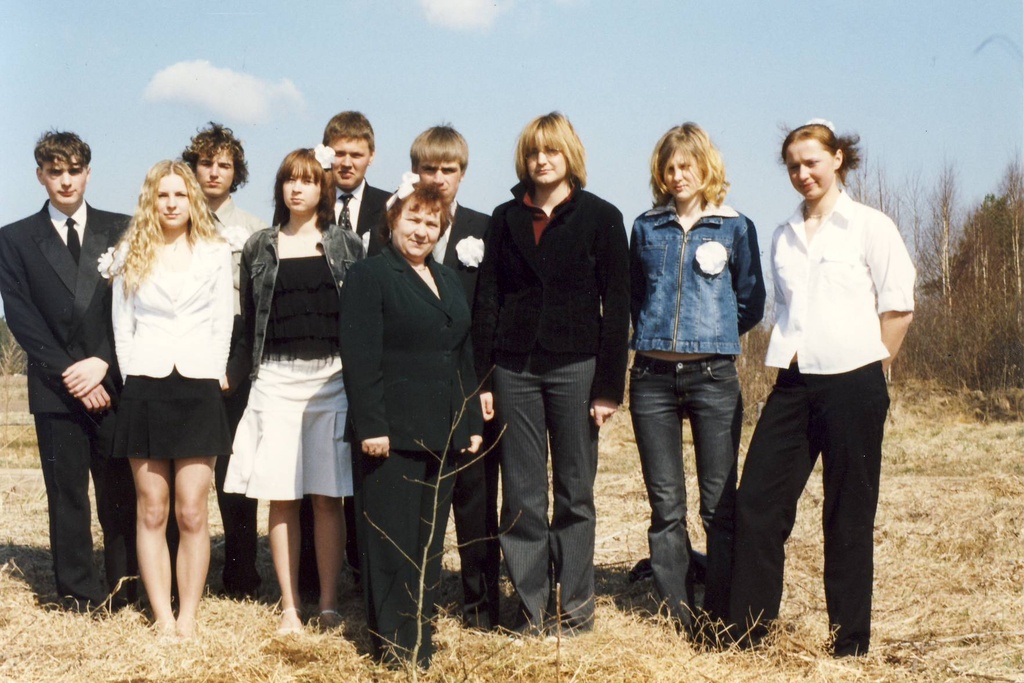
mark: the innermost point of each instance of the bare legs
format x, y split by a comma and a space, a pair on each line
192, 477
329, 539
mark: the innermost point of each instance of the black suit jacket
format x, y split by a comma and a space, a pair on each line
371, 216
567, 295
467, 223
59, 312
406, 355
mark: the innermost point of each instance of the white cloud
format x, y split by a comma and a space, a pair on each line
464, 14
233, 96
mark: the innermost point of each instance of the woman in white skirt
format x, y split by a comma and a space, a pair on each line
290, 441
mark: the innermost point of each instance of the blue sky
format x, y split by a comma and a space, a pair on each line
924, 82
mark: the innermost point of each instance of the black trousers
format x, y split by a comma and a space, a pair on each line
238, 514
71, 446
475, 508
396, 499
841, 418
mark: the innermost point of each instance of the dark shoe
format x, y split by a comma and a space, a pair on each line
478, 621
641, 570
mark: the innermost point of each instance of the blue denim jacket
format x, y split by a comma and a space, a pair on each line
259, 266
694, 292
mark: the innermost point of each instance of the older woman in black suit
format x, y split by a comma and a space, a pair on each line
552, 318
408, 366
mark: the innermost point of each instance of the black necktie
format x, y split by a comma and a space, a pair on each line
346, 217
74, 244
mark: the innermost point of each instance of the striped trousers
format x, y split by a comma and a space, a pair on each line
546, 397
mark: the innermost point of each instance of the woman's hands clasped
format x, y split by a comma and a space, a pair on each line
377, 447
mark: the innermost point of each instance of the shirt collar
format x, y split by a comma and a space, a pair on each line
667, 212
357, 194
58, 217
224, 212
843, 208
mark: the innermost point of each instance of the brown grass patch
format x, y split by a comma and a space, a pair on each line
948, 599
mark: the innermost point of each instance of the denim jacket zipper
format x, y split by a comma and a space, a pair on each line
679, 289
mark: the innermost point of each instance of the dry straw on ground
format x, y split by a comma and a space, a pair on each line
949, 603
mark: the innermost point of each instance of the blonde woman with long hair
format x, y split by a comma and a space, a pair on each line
172, 316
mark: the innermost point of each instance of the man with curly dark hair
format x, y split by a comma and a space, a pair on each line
218, 159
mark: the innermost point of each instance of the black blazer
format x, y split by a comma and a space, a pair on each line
568, 294
467, 223
406, 355
371, 216
59, 312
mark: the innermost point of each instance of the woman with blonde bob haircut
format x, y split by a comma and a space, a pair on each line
552, 320
172, 317
696, 287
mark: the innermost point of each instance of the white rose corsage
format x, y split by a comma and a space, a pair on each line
470, 251
712, 257
235, 235
111, 262
366, 242
324, 155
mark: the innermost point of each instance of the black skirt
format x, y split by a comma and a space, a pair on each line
166, 418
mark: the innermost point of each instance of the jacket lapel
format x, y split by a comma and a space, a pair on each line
54, 250
95, 243
520, 227
458, 231
415, 282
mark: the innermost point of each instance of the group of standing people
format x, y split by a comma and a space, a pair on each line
381, 354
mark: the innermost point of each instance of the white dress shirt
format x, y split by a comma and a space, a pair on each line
60, 222
441, 248
177, 319
229, 218
829, 292
353, 205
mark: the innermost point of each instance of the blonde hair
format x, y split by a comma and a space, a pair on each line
690, 140
439, 144
144, 235
552, 130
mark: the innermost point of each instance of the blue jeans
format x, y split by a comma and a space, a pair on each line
661, 395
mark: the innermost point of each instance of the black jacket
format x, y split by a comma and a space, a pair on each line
59, 312
467, 223
406, 356
568, 294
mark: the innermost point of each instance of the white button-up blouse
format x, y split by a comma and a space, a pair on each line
829, 292
178, 320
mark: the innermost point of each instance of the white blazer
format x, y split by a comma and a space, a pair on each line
156, 330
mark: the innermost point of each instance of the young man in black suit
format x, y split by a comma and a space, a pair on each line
58, 307
358, 207
440, 156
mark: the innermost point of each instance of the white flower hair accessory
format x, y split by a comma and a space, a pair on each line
111, 262
366, 242
405, 189
235, 235
324, 155
822, 122
712, 257
470, 251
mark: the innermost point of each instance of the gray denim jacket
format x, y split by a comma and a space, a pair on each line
259, 266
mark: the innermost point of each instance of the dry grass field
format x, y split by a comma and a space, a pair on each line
949, 586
